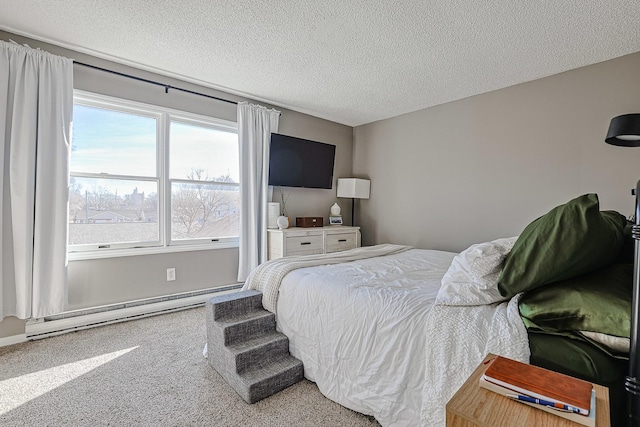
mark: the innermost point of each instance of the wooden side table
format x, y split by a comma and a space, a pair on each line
474, 406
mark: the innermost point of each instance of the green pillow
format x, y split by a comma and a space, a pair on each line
571, 240
597, 302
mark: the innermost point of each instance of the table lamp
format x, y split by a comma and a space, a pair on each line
353, 188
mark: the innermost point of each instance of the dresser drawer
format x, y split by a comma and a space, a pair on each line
303, 245
311, 241
341, 242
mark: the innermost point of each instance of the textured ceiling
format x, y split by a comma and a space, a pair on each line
349, 61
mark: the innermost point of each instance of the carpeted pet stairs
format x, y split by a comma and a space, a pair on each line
244, 347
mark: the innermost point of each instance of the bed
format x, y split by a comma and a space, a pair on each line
393, 331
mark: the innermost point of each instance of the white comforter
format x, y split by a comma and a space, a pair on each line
359, 329
267, 277
469, 320
458, 340
377, 336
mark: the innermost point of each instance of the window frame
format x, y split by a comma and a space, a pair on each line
164, 116
189, 119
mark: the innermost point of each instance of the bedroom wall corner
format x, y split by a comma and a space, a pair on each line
314, 201
483, 167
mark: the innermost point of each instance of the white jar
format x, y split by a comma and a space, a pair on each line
335, 210
283, 222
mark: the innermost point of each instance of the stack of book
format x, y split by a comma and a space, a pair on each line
549, 391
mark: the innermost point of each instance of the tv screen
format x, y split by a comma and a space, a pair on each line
297, 162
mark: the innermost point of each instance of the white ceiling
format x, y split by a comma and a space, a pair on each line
349, 61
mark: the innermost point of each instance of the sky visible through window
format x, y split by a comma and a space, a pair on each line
112, 142
206, 149
106, 141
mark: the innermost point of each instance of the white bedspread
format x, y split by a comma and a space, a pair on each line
268, 276
458, 339
469, 319
372, 338
359, 329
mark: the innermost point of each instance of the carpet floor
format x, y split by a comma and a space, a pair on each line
147, 372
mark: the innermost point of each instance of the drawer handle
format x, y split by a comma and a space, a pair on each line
342, 240
305, 243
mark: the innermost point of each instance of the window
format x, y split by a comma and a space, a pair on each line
146, 176
204, 175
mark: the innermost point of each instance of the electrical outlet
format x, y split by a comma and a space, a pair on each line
171, 274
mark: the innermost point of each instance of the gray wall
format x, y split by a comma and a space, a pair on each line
484, 167
113, 280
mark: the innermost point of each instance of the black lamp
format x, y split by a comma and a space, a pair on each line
624, 131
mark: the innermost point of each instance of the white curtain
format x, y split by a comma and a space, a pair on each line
255, 124
36, 107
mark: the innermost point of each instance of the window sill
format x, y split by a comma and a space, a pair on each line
153, 250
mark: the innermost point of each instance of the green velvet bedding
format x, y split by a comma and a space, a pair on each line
596, 302
582, 360
570, 240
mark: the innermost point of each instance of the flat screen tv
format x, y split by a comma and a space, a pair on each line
297, 162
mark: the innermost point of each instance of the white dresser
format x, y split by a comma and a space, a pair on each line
313, 240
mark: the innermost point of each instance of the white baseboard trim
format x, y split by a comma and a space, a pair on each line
14, 339
42, 329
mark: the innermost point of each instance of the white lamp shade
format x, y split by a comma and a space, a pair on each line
354, 188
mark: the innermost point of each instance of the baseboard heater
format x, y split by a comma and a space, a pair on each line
98, 316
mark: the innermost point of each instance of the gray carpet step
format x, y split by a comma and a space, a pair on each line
256, 384
228, 306
246, 325
258, 351
244, 347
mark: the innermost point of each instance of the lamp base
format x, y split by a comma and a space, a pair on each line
353, 204
632, 386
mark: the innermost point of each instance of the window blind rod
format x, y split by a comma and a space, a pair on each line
153, 82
